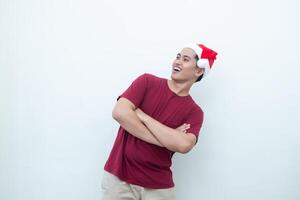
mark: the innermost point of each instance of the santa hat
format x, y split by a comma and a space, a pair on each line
206, 56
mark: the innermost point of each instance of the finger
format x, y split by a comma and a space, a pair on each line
184, 126
182, 130
181, 127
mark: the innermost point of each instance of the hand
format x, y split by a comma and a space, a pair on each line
183, 127
141, 115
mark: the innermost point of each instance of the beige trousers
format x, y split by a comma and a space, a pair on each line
115, 189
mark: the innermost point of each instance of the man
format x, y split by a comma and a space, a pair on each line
157, 118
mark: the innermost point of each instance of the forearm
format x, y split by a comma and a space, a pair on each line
133, 125
172, 139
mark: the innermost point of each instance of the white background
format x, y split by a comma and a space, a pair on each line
63, 63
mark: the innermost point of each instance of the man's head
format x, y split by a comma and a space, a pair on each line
184, 67
193, 63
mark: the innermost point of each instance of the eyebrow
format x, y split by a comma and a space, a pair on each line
184, 56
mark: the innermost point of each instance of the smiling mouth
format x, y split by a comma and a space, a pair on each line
176, 69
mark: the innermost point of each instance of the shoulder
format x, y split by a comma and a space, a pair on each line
195, 109
150, 76
147, 80
151, 79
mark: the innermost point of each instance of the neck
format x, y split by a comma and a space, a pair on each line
181, 89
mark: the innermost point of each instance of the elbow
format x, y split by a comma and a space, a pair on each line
117, 114
122, 108
184, 148
120, 114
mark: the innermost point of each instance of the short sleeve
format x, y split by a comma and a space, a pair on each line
136, 91
195, 119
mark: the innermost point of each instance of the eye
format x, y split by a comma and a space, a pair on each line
186, 60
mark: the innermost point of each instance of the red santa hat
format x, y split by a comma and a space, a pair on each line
206, 57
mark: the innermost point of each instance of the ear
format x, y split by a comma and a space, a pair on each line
199, 71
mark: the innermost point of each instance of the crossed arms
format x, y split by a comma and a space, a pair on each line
144, 127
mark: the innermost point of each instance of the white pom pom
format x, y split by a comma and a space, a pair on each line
203, 63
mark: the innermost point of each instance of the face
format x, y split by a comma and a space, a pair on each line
184, 67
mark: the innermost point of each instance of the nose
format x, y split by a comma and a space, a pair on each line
178, 62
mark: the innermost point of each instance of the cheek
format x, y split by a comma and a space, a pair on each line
187, 72
189, 68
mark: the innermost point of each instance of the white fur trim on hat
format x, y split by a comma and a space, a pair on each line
203, 63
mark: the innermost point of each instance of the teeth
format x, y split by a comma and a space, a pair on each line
177, 69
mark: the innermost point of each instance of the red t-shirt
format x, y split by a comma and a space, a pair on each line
141, 163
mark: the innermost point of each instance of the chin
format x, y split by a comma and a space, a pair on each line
176, 76
173, 77
176, 79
